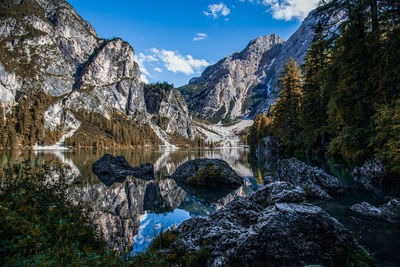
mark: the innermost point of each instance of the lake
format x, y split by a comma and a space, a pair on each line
131, 213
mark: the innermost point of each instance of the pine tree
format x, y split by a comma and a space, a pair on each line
286, 117
315, 98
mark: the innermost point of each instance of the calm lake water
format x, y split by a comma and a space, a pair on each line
131, 213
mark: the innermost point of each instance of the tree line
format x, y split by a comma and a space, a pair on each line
23, 124
344, 101
118, 131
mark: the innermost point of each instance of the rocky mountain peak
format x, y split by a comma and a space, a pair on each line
227, 83
262, 44
113, 61
168, 110
244, 83
46, 47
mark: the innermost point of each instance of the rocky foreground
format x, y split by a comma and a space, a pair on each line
272, 227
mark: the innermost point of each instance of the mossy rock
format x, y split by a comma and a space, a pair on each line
207, 173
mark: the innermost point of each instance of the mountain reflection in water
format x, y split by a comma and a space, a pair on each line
134, 211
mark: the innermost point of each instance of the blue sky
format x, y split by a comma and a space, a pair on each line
175, 40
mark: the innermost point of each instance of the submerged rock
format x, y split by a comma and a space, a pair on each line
284, 234
112, 169
317, 183
389, 211
370, 174
269, 151
207, 173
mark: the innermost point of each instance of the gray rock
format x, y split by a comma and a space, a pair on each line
228, 82
370, 174
112, 169
270, 179
169, 110
252, 72
389, 211
269, 152
50, 48
366, 209
52, 42
313, 180
284, 234
207, 173
110, 165
278, 192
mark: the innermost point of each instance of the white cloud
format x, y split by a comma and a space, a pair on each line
175, 62
200, 36
172, 60
287, 9
140, 59
216, 10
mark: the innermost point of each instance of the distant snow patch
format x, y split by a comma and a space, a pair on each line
226, 136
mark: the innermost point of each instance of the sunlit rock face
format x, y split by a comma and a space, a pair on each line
227, 83
171, 108
117, 209
43, 44
251, 75
46, 46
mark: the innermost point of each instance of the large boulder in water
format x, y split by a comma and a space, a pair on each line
317, 183
389, 211
207, 173
245, 233
269, 151
112, 169
371, 173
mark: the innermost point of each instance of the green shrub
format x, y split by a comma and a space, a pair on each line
40, 226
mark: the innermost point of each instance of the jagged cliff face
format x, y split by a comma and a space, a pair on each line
245, 83
109, 81
227, 83
43, 43
296, 47
46, 46
169, 111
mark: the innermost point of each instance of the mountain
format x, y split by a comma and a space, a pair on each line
296, 47
225, 85
169, 112
244, 83
46, 48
